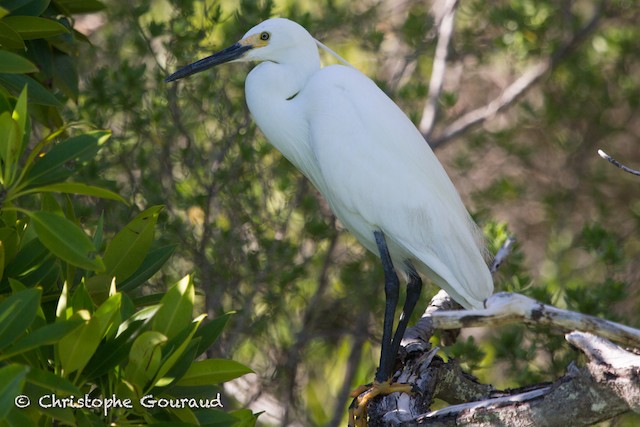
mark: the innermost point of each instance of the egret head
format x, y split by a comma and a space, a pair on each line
278, 40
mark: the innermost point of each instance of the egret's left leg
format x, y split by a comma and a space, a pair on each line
414, 288
389, 349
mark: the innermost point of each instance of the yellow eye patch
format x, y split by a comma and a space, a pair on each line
256, 40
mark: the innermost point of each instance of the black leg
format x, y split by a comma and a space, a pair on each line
414, 287
391, 290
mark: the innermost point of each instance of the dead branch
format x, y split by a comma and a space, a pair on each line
606, 386
505, 307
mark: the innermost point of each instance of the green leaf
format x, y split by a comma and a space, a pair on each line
114, 351
145, 358
2, 260
34, 27
65, 240
176, 308
245, 417
9, 39
20, 115
51, 381
11, 63
210, 331
109, 314
64, 159
46, 335
213, 371
216, 418
128, 249
38, 94
77, 188
65, 75
72, 7
12, 380
152, 263
10, 241
30, 7
81, 300
64, 310
10, 140
16, 314
78, 347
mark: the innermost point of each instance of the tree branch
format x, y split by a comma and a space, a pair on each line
617, 163
519, 87
608, 384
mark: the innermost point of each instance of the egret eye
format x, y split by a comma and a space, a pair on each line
264, 36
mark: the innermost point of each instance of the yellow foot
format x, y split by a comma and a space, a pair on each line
365, 393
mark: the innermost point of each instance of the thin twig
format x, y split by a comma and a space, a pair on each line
617, 163
445, 32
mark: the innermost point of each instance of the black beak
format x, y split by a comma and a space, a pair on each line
229, 54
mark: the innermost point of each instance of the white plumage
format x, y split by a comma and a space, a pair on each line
366, 158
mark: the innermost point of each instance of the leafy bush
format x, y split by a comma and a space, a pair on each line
80, 343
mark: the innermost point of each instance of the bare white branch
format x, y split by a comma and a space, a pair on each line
445, 32
505, 307
617, 163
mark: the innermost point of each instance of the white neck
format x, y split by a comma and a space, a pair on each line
271, 90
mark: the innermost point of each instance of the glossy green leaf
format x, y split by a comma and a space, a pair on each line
108, 314
128, 249
152, 263
77, 188
32, 255
213, 371
65, 239
45, 335
12, 379
21, 117
245, 417
38, 94
66, 158
78, 347
210, 331
34, 27
145, 357
176, 308
174, 351
115, 351
11, 63
16, 314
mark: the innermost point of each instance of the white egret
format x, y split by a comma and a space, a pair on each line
372, 165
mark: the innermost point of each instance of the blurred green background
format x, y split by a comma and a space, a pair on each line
262, 242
